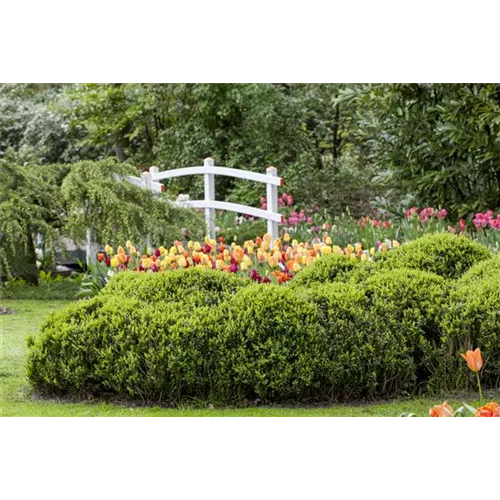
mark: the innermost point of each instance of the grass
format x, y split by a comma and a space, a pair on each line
17, 398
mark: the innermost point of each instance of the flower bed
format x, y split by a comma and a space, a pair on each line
255, 259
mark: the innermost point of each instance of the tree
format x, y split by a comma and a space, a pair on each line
440, 142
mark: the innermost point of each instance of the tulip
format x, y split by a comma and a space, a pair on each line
475, 363
286, 237
182, 262
444, 410
489, 410
147, 263
100, 257
108, 249
474, 359
114, 262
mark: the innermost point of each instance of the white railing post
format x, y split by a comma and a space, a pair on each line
272, 203
90, 249
147, 183
209, 196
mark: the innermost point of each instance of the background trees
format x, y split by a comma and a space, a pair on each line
357, 146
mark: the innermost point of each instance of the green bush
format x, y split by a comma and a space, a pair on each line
193, 286
444, 254
122, 346
414, 301
326, 269
269, 344
473, 320
484, 269
360, 355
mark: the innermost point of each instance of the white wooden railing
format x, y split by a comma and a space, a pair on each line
150, 180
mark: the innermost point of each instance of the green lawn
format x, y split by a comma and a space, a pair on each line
17, 399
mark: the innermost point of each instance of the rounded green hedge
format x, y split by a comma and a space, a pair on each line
326, 269
191, 286
444, 254
472, 320
361, 357
416, 302
484, 269
122, 346
269, 345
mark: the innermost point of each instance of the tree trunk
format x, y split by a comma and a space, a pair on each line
24, 261
120, 152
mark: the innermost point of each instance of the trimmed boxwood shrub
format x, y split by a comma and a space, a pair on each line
473, 320
270, 345
326, 269
361, 356
192, 286
444, 254
484, 269
125, 347
414, 301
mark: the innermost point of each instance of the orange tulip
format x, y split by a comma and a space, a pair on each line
474, 359
489, 410
444, 410
100, 257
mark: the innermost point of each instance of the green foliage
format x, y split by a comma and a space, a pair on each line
49, 288
326, 269
32, 127
29, 204
361, 354
414, 302
192, 287
269, 344
486, 269
472, 321
443, 254
438, 141
116, 211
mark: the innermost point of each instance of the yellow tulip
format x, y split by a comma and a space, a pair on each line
326, 250
108, 249
197, 246
328, 240
147, 263
337, 250
173, 250
286, 237
128, 244
243, 266
395, 244
190, 245
114, 262
296, 267
372, 251
181, 261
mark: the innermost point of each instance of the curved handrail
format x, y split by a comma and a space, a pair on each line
232, 207
230, 172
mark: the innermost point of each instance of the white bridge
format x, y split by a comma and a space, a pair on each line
150, 180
